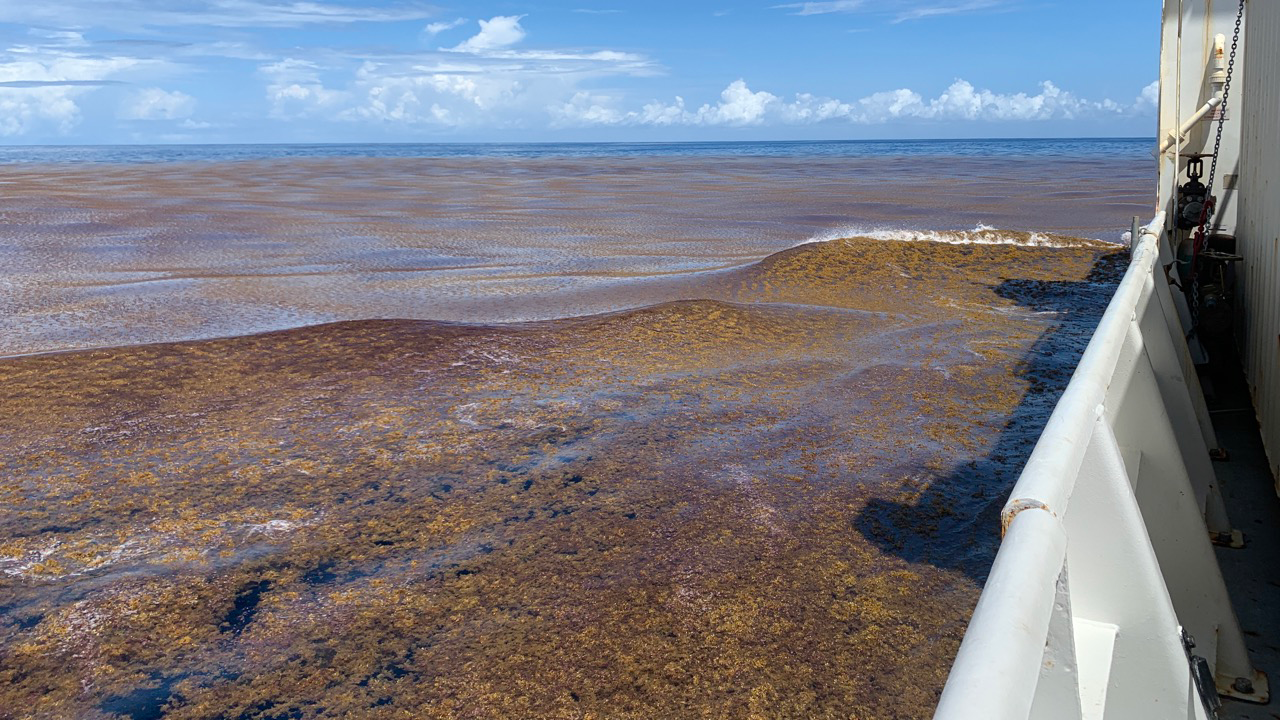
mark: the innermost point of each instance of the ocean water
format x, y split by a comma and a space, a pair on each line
607, 431
118, 248
1128, 148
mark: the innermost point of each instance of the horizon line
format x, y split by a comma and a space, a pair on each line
1151, 138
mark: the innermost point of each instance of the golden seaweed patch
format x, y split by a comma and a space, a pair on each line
775, 503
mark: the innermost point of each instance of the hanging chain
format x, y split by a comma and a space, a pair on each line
1222, 110
1198, 241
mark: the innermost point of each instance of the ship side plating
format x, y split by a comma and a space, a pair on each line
1258, 226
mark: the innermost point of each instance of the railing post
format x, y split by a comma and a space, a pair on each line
1058, 689
1176, 397
1140, 413
1165, 299
1116, 580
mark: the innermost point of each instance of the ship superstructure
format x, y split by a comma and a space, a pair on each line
1107, 598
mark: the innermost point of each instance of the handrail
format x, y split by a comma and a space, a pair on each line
1048, 478
1116, 490
996, 670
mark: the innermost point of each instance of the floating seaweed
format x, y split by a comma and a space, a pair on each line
775, 502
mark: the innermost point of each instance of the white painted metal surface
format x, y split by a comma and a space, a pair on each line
1188, 65
1258, 231
1106, 556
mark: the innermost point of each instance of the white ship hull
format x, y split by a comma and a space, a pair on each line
1107, 567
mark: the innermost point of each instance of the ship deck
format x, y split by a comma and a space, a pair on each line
1252, 573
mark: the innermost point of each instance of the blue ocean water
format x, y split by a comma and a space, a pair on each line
1112, 148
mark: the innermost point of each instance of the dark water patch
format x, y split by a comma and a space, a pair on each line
267, 710
245, 608
321, 574
144, 703
28, 622
50, 529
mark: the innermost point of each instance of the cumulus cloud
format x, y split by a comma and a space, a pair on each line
436, 98
740, 106
586, 108
483, 82
1149, 98
40, 91
495, 34
157, 104
294, 89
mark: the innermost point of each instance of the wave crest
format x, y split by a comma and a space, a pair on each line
979, 235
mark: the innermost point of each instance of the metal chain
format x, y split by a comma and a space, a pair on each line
1198, 240
1226, 93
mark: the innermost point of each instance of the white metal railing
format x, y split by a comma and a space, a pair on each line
1118, 491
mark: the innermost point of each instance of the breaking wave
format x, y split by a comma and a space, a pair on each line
980, 235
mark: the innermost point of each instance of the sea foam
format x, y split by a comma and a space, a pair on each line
979, 235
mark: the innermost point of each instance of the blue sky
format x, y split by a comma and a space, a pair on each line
144, 71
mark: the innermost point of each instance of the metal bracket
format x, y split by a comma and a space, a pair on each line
1232, 538
1256, 689
1201, 676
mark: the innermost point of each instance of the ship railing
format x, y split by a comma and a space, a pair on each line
1105, 598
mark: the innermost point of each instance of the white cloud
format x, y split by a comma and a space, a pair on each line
486, 81
38, 90
22, 110
435, 28
897, 10
484, 92
448, 99
496, 33
822, 8
134, 14
64, 38
935, 10
483, 82
740, 106
737, 106
156, 104
585, 108
294, 89
1150, 96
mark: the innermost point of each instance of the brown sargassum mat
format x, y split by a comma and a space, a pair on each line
778, 502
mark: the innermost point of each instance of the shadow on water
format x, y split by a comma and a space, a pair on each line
954, 523
144, 703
